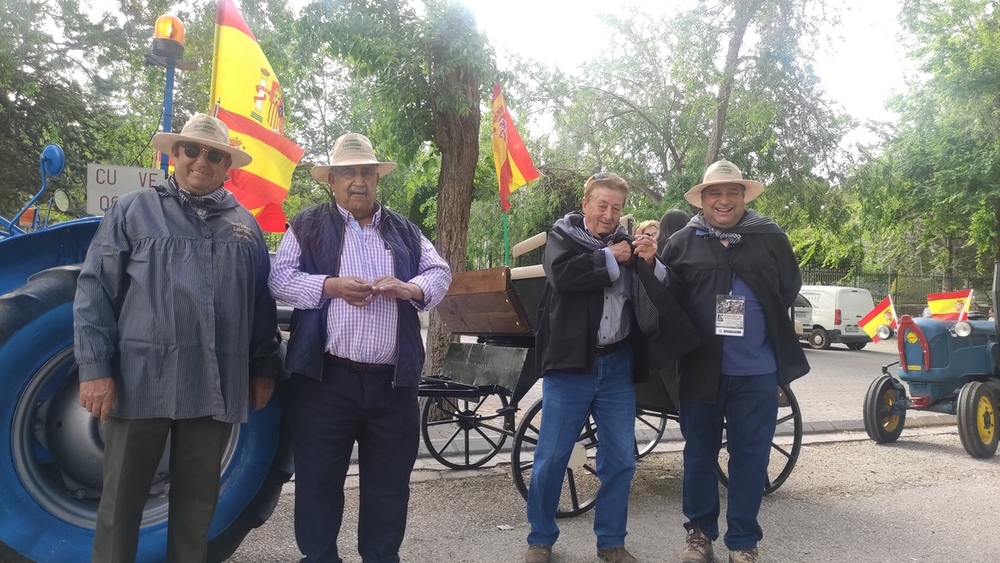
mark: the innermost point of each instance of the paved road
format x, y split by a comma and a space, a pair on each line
847, 499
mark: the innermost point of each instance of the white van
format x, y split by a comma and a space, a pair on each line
835, 315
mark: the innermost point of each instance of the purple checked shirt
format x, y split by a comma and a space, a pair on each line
363, 334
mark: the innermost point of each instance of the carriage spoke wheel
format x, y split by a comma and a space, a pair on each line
785, 447
466, 433
580, 484
649, 428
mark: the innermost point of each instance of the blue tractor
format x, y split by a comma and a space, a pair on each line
950, 367
51, 449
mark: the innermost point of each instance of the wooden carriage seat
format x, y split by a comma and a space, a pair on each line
482, 302
495, 301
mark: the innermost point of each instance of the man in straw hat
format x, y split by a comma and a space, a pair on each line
356, 273
734, 272
175, 333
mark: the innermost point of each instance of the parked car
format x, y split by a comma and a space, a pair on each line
801, 313
836, 311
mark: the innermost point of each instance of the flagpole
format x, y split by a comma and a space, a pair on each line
215, 56
506, 242
965, 310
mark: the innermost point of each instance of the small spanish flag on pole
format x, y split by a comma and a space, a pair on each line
513, 163
883, 314
950, 305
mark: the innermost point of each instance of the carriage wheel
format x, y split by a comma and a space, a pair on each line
884, 421
785, 446
649, 428
465, 433
579, 490
977, 419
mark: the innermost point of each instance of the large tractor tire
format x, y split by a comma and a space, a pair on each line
51, 449
883, 417
977, 419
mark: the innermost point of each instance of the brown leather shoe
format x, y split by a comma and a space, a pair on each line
744, 556
538, 554
698, 547
616, 555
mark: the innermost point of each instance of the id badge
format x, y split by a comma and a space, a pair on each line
729, 315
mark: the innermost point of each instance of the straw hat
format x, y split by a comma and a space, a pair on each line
207, 131
723, 172
351, 149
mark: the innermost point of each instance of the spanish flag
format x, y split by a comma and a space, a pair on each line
883, 314
950, 305
513, 163
250, 103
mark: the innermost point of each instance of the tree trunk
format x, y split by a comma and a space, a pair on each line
457, 137
744, 14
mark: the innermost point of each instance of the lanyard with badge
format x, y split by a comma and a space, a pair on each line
730, 312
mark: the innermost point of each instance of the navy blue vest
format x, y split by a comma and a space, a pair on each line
320, 232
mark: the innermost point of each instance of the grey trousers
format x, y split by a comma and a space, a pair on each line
132, 451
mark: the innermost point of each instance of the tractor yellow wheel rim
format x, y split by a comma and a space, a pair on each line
986, 419
889, 421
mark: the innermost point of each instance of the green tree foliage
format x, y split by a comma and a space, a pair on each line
424, 70
934, 191
41, 101
729, 79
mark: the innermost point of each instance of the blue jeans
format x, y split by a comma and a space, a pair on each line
750, 407
607, 392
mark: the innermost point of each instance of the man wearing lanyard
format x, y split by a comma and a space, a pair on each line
356, 273
734, 273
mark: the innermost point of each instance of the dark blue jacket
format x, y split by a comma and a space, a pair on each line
320, 232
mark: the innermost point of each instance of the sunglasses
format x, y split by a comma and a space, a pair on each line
600, 176
213, 156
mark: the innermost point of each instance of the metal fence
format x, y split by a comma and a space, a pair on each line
909, 292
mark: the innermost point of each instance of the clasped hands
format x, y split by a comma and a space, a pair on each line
358, 292
643, 246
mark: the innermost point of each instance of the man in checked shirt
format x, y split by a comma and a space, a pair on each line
356, 274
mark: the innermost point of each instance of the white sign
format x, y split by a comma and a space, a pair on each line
105, 184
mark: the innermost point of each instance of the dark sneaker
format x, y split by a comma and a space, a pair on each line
698, 548
538, 554
615, 555
744, 556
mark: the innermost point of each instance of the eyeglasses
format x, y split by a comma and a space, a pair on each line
599, 176
213, 156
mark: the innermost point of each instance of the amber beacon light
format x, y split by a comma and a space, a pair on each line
168, 37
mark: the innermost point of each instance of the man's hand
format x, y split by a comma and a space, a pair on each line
261, 389
645, 248
622, 251
397, 289
355, 291
98, 396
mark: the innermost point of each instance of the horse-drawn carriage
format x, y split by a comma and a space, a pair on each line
472, 408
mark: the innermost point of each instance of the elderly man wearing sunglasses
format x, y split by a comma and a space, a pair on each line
175, 334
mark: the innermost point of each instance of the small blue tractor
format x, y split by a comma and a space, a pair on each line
51, 449
950, 367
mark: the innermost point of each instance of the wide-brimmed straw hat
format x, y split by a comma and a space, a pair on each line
723, 172
351, 149
207, 131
